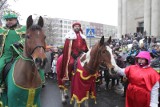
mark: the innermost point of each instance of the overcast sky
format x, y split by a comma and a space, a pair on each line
100, 11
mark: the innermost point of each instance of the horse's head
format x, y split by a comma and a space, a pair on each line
105, 52
101, 54
111, 63
35, 42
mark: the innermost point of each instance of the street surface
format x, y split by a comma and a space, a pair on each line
50, 97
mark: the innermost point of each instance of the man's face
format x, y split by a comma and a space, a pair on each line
11, 22
76, 28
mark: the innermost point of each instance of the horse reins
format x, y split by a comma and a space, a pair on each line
36, 48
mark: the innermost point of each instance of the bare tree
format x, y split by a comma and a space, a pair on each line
3, 7
2, 3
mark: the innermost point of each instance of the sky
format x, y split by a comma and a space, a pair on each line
99, 11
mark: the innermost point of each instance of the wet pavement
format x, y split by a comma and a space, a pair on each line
50, 97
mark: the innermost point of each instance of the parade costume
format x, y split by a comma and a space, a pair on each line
74, 46
83, 85
143, 83
8, 37
141, 80
140, 85
28, 97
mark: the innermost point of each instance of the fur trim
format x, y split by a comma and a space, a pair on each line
72, 35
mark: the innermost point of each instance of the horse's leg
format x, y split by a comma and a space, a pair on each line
86, 103
63, 97
76, 104
107, 79
117, 81
113, 82
66, 94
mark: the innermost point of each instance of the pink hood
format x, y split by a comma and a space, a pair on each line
145, 55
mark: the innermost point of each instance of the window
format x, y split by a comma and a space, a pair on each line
65, 22
65, 26
141, 24
65, 31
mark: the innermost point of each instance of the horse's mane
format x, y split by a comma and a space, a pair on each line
35, 27
94, 58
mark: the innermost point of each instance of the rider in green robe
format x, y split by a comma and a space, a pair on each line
9, 34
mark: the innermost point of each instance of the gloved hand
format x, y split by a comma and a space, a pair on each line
16, 45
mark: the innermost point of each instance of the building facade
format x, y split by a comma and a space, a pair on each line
139, 16
60, 27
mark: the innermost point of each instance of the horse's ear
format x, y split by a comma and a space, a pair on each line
102, 41
108, 41
40, 21
29, 21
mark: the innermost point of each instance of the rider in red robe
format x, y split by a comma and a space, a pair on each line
74, 46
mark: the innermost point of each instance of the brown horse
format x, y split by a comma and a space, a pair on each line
26, 76
83, 80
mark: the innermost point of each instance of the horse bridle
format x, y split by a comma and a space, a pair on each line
35, 49
91, 69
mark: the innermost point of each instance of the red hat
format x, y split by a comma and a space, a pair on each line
76, 23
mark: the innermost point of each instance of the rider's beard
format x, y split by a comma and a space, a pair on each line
77, 30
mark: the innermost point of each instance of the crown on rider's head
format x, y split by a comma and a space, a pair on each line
10, 14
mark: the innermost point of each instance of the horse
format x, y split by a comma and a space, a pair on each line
83, 79
105, 74
25, 78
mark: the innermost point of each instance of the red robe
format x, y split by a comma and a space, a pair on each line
141, 81
74, 47
82, 85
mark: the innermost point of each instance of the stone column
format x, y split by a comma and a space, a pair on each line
124, 17
147, 17
155, 18
119, 19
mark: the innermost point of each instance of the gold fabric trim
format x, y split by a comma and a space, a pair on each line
30, 100
77, 100
85, 78
63, 87
69, 54
5, 33
83, 99
19, 85
1, 104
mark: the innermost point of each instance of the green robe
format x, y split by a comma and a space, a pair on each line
8, 37
18, 96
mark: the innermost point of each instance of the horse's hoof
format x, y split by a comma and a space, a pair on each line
64, 102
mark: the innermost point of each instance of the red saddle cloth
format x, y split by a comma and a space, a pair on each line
82, 85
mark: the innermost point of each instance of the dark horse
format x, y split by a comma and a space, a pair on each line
83, 80
26, 76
